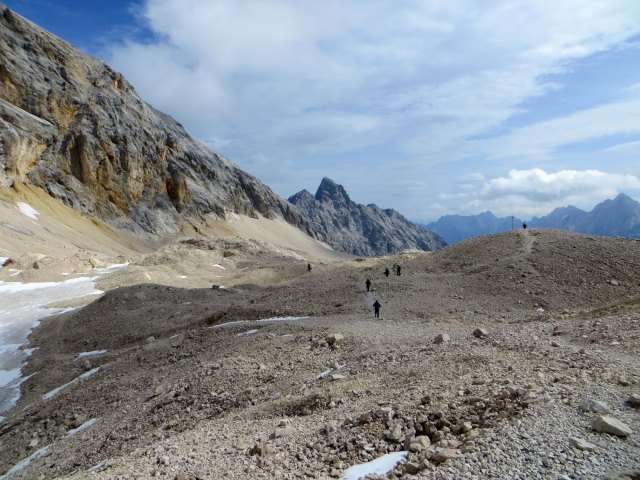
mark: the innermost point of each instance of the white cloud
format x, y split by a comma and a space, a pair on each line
283, 86
537, 192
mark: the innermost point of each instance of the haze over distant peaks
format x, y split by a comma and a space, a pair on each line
617, 217
360, 229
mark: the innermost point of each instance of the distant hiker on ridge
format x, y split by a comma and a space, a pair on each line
368, 284
524, 226
309, 267
386, 272
376, 308
398, 270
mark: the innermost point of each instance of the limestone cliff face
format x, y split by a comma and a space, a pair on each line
360, 229
73, 126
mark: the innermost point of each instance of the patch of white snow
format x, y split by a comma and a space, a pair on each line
55, 391
248, 332
379, 466
220, 325
90, 354
218, 266
281, 319
82, 427
25, 462
28, 210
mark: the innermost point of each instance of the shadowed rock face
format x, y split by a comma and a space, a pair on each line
76, 128
360, 229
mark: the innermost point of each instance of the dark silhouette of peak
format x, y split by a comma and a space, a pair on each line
360, 229
331, 191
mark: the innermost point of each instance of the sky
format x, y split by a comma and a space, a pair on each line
425, 106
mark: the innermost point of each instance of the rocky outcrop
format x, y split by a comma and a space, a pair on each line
75, 127
360, 229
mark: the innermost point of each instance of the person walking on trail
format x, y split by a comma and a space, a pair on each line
309, 267
398, 270
368, 284
386, 272
376, 308
524, 226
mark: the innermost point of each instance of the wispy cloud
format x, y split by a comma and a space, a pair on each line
401, 87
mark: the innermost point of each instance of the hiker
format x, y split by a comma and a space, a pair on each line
368, 284
524, 226
398, 270
309, 267
376, 308
386, 272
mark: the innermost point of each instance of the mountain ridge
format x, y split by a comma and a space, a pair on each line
360, 229
612, 217
73, 126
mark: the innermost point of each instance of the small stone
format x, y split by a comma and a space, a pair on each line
336, 376
37, 265
6, 261
412, 468
334, 339
394, 433
181, 476
442, 338
95, 263
34, 443
480, 333
634, 400
607, 424
581, 444
614, 282
555, 344
419, 443
624, 382
260, 450
281, 432
151, 339
590, 405
441, 455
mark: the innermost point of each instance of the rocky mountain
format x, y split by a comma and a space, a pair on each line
618, 217
565, 218
76, 128
455, 228
360, 229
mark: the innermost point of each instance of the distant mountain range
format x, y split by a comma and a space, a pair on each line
618, 217
360, 229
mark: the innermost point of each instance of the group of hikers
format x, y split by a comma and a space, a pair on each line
377, 304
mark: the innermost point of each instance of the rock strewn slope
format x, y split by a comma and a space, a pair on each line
360, 229
76, 128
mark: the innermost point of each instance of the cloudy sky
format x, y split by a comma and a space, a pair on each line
426, 106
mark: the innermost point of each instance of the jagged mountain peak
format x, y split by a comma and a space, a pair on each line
333, 192
361, 229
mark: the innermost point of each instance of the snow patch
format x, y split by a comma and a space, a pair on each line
55, 391
379, 466
28, 210
2, 260
110, 268
324, 374
218, 266
248, 332
82, 427
182, 276
281, 319
90, 354
220, 325
23, 463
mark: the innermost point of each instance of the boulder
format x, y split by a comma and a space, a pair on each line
581, 444
480, 333
634, 400
590, 405
442, 338
608, 424
334, 339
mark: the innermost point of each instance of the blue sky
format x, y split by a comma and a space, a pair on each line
428, 107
